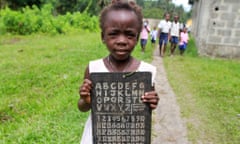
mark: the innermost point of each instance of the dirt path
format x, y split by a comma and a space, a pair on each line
168, 127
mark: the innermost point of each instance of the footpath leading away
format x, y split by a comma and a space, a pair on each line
167, 125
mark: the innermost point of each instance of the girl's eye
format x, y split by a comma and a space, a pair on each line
112, 34
131, 35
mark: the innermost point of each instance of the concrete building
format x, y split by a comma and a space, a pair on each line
216, 27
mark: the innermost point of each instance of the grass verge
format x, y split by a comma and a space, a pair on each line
208, 93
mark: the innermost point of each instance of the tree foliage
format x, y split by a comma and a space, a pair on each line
151, 8
30, 15
157, 9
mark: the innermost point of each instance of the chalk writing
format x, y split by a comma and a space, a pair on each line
119, 116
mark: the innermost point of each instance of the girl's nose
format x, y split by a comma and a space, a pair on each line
122, 39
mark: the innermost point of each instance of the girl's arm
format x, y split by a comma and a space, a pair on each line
84, 103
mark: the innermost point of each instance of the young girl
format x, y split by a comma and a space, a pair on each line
153, 35
144, 35
183, 40
121, 24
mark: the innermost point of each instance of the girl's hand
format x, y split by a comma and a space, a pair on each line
85, 91
151, 98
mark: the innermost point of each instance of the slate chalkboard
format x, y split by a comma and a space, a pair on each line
118, 114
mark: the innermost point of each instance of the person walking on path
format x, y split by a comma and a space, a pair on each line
153, 35
175, 32
183, 40
144, 35
164, 33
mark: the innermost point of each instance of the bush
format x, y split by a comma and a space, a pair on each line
35, 20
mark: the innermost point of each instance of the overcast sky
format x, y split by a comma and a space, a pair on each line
185, 4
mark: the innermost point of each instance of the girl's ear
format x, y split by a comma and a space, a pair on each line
138, 37
102, 37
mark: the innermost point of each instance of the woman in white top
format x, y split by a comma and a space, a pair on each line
120, 35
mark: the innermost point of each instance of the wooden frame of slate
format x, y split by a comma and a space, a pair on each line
118, 114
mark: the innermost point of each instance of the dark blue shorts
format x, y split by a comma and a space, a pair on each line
143, 42
153, 40
174, 40
163, 38
183, 47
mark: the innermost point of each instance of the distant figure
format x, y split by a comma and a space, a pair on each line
153, 35
163, 33
175, 32
144, 35
183, 40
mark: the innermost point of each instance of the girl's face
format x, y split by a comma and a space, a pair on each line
184, 30
120, 33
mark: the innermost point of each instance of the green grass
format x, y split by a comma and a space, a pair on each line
208, 91
39, 80
40, 76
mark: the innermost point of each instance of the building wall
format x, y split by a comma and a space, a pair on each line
216, 27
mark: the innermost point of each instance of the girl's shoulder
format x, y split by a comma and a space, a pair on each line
95, 62
97, 66
146, 67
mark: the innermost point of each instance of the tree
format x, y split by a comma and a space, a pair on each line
103, 3
16, 4
140, 3
156, 9
90, 6
3, 3
63, 6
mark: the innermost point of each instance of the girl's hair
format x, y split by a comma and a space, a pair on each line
128, 5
